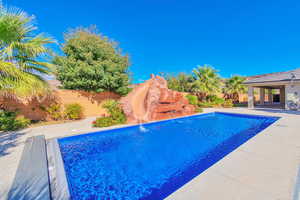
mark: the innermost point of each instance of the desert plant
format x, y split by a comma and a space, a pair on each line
73, 111
181, 83
198, 110
233, 87
215, 100
92, 62
205, 105
240, 105
10, 122
103, 122
207, 82
54, 111
116, 115
228, 104
22, 55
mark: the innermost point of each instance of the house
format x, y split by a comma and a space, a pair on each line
276, 90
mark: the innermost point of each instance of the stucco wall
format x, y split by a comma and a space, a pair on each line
292, 96
33, 109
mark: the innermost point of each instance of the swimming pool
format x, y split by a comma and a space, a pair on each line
152, 161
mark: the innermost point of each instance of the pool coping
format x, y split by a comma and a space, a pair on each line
58, 180
57, 175
296, 195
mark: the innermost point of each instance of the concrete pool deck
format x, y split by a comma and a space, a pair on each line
264, 168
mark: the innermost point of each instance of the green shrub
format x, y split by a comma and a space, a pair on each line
214, 100
22, 122
10, 122
103, 122
240, 105
205, 105
54, 110
211, 98
199, 110
112, 107
192, 99
73, 111
228, 104
218, 101
116, 113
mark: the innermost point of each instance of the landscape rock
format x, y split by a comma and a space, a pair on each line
152, 100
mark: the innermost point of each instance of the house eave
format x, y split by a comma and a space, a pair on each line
266, 83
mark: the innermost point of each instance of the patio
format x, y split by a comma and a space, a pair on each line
265, 167
276, 90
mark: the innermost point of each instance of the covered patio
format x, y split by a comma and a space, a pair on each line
269, 96
277, 90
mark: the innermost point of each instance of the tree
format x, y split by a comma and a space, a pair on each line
22, 55
181, 83
233, 87
92, 62
207, 82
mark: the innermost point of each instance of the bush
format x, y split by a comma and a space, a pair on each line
228, 104
73, 111
10, 122
116, 113
240, 105
181, 83
214, 100
218, 101
205, 105
103, 122
211, 98
192, 99
54, 110
199, 110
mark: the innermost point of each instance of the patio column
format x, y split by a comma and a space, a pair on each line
282, 96
270, 96
250, 97
262, 96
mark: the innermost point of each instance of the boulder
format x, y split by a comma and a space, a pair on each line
156, 102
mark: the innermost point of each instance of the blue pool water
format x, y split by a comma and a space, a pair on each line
152, 161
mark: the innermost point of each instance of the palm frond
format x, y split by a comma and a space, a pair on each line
14, 81
22, 55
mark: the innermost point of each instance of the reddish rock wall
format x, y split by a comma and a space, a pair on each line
156, 101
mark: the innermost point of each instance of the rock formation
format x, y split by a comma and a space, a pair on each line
152, 100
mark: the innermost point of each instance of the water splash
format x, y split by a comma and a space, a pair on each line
143, 129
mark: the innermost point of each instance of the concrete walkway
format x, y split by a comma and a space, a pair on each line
264, 168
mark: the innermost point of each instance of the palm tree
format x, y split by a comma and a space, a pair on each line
22, 55
207, 82
233, 87
180, 83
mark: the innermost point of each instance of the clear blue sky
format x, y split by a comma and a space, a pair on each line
243, 37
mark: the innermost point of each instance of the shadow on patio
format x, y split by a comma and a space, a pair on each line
9, 140
278, 111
